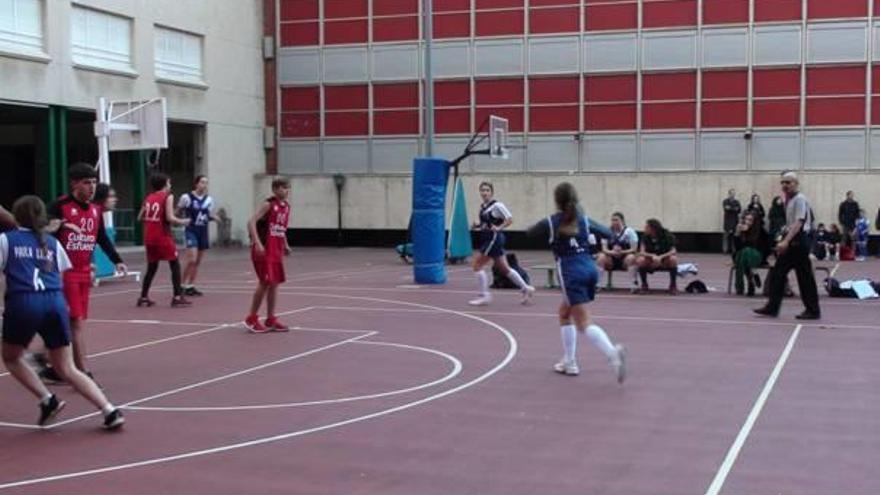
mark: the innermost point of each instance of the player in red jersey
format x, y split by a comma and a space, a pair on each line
157, 214
81, 227
268, 231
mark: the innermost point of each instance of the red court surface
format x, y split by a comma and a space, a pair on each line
384, 387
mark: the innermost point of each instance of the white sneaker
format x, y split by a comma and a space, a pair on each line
481, 301
619, 363
527, 294
569, 368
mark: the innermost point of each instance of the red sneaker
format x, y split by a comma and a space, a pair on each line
253, 325
275, 325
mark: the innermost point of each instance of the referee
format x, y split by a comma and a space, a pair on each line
793, 252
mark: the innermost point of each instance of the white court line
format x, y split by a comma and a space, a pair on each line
834, 270
762, 322
219, 378
219, 288
455, 371
512, 348
150, 343
158, 322
743, 435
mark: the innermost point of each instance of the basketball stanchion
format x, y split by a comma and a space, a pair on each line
120, 126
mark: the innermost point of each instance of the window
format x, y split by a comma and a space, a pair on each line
21, 26
101, 40
178, 56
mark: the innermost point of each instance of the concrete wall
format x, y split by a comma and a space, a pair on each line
685, 202
231, 107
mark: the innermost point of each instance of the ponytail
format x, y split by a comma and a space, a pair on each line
566, 200
30, 213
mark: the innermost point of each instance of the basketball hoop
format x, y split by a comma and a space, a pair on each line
498, 145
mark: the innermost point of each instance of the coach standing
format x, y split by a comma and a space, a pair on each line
732, 209
793, 252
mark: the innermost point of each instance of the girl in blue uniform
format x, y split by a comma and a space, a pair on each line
198, 206
494, 218
568, 233
32, 263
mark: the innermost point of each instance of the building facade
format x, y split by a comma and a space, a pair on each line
656, 106
57, 57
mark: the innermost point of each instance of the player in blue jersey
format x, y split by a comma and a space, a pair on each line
198, 206
32, 262
494, 218
568, 232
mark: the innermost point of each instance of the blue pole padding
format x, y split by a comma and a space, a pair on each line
428, 220
103, 266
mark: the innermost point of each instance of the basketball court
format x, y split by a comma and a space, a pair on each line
383, 386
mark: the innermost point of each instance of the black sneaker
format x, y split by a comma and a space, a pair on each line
50, 409
50, 377
192, 291
145, 302
765, 312
809, 315
113, 420
180, 302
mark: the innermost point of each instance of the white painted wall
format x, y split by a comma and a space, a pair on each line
232, 106
686, 202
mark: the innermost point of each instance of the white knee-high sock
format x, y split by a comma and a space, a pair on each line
600, 339
516, 278
482, 282
569, 341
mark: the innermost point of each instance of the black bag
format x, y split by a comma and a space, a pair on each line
832, 286
696, 287
500, 281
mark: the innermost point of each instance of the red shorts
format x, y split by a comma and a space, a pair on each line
269, 272
164, 250
77, 287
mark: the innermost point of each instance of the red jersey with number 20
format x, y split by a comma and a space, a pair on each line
156, 227
79, 245
272, 229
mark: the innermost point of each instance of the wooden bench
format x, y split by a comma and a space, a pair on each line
817, 267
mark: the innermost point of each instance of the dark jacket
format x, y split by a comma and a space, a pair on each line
848, 213
732, 209
776, 219
761, 244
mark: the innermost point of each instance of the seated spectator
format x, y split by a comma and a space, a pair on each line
657, 253
820, 247
751, 249
860, 236
835, 237
618, 252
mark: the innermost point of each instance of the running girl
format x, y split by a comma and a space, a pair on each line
268, 231
198, 207
568, 234
33, 263
494, 218
157, 213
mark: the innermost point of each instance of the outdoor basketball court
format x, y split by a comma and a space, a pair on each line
387, 387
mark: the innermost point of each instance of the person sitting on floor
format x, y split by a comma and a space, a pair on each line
820, 247
835, 237
751, 249
657, 253
618, 252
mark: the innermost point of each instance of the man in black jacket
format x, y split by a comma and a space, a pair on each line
732, 209
847, 214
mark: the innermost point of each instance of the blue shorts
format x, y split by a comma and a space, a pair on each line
492, 243
577, 278
197, 239
30, 313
